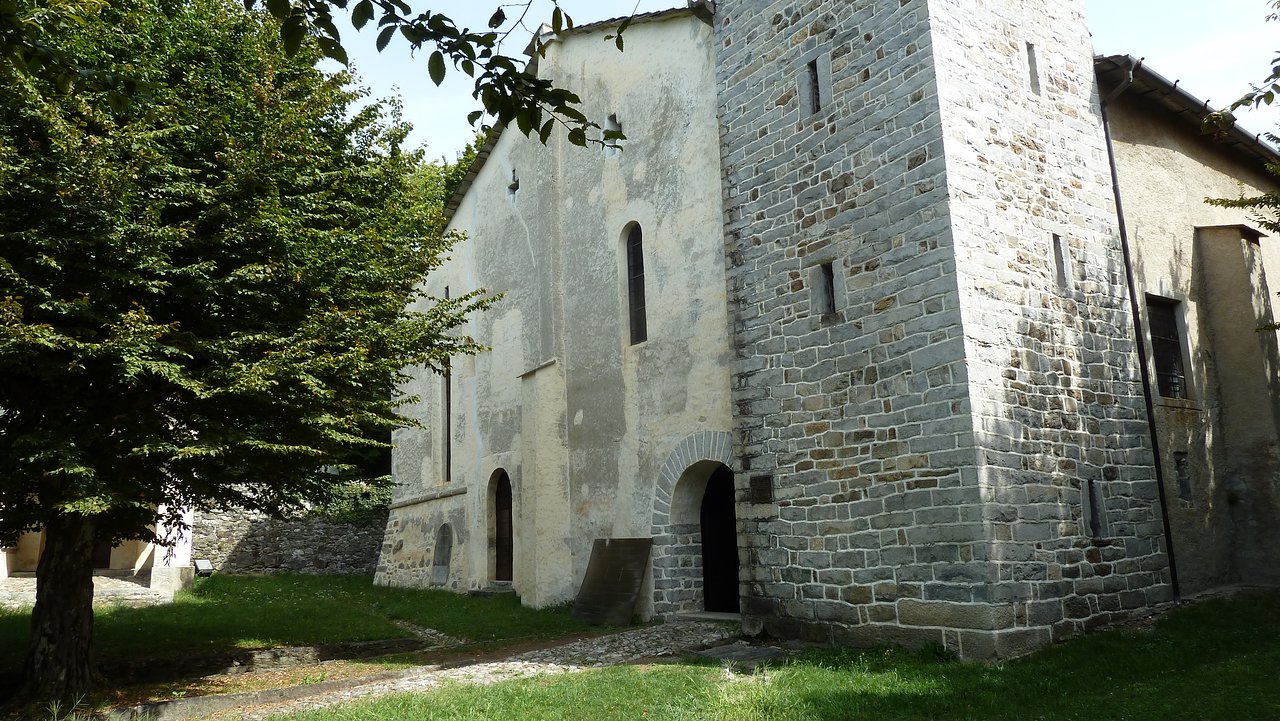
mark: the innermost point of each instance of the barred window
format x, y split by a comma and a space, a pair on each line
1166, 347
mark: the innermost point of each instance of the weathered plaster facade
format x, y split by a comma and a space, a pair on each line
889, 297
1220, 446
582, 421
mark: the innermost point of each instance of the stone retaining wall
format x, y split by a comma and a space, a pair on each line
239, 542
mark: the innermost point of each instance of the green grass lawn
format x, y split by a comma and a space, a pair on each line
1219, 660
237, 612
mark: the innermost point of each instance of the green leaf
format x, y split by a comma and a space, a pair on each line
279, 9
473, 116
333, 50
617, 41
557, 20
578, 137
292, 33
572, 114
435, 66
499, 17
362, 13
545, 132
384, 37
325, 24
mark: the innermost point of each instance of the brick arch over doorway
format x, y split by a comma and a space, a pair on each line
672, 539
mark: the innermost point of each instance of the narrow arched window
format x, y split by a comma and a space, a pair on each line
635, 283
442, 556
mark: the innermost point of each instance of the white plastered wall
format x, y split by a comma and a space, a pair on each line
580, 419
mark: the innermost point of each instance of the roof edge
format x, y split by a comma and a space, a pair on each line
1180, 101
702, 9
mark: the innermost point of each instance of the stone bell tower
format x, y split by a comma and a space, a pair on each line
941, 434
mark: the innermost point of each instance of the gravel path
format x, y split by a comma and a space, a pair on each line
654, 641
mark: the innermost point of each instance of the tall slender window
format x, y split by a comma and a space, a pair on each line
1166, 347
446, 420
635, 283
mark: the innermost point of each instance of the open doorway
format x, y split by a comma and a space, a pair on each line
719, 544
696, 550
504, 544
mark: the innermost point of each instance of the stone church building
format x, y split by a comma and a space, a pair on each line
897, 321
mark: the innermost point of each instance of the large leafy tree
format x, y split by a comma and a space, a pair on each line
509, 91
206, 293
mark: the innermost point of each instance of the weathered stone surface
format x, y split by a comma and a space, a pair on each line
954, 615
961, 406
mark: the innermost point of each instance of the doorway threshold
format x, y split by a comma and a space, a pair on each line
709, 616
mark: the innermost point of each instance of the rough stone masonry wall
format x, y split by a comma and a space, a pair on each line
1053, 374
861, 416
239, 542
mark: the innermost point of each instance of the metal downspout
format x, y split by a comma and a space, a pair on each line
1140, 333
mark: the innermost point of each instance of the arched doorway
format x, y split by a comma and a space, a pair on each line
504, 545
719, 544
696, 556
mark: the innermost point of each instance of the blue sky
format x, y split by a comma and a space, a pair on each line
1215, 49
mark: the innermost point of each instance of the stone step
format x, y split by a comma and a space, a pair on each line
495, 588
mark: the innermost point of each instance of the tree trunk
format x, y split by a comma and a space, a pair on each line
57, 665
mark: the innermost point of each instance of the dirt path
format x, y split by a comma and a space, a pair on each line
670, 639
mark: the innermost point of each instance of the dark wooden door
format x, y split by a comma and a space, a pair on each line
102, 555
505, 546
719, 544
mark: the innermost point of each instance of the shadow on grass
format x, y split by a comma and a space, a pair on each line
228, 614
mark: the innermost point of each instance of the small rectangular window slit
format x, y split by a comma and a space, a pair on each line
1095, 507
1182, 468
1059, 261
815, 87
1033, 68
822, 288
